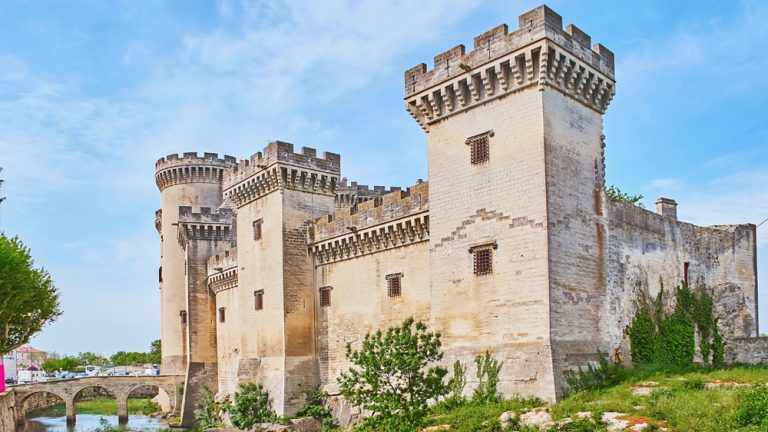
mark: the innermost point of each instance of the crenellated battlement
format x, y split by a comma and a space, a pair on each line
205, 225
351, 193
538, 53
191, 168
379, 210
222, 271
279, 167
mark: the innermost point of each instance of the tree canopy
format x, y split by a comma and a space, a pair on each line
28, 298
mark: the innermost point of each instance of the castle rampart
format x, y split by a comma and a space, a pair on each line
279, 167
539, 53
191, 168
351, 193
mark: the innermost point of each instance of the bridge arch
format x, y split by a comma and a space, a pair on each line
164, 395
77, 393
26, 403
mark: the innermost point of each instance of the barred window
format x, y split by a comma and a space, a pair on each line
258, 299
483, 260
325, 296
222, 314
479, 147
257, 229
183, 317
394, 284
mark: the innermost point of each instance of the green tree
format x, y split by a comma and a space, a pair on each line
207, 411
487, 370
89, 358
392, 377
617, 194
251, 407
155, 352
28, 298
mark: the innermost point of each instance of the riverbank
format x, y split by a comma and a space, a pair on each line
104, 406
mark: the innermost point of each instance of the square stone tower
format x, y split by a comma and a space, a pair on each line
517, 234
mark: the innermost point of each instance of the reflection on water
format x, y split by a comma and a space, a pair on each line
89, 422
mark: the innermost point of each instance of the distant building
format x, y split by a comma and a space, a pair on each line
28, 357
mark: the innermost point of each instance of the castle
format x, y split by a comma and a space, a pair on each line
272, 264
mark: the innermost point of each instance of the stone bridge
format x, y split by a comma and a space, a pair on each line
120, 386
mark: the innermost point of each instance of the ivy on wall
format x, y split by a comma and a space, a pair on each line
663, 339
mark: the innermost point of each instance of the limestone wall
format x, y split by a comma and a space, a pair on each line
747, 350
503, 203
645, 247
8, 418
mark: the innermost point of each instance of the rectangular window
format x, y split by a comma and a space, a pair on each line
325, 296
257, 229
685, 273
183, 317
258, 299
394, 284
479, 148
222, 314
483, 260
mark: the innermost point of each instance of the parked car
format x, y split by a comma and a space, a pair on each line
10, 381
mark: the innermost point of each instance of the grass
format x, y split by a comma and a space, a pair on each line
104, 406
680, 400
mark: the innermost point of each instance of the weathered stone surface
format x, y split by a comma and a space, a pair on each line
537, 418
307, 424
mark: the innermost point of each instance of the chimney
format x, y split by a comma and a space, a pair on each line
667, 207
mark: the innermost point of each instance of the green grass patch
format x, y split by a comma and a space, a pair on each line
103, 406
478, 416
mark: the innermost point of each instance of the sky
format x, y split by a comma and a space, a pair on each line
92, 93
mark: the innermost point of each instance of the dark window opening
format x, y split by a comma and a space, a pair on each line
394, 284
160, 274
257, 229
685, 273
258, 299
222, 314
482, 261
325, 296
183, 317
479, 147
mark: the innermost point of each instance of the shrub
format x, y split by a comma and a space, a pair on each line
488, 369
251, 407
391, 377
455, 387
753, 409
207, 411
593, 378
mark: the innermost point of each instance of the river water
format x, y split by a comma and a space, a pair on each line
89, 422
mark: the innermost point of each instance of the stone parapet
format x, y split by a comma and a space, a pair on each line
351, 193
392, 220
191, 168
205, 225
222, 271
279, 167
539, 53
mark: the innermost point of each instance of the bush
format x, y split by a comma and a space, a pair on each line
753, 409
391, 377
251, 407
593, 378
207, 411
488, 369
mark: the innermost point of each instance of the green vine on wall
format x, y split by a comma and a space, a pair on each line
670, 340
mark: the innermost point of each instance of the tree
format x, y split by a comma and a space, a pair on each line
392, 377
28, 298
155, 352
251, 407
89, 358
617, 194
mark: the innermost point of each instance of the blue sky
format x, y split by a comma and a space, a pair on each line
93, 92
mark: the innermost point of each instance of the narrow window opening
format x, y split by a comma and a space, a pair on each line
160, 274
183, 317
258, 299
685, 273
325, 296
394, 284
257, 229
482, 261
222, 314
479, 148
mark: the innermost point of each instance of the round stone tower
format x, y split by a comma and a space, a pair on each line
190, 181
